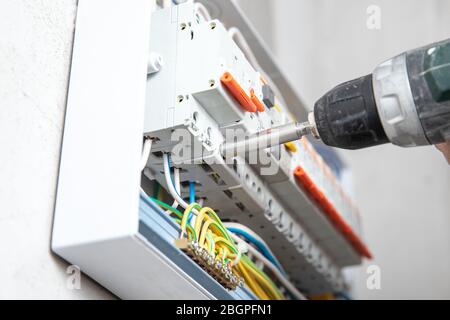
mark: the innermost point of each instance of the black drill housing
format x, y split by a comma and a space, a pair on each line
347, 116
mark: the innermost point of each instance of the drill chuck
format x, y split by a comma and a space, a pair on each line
405, 101
347, 116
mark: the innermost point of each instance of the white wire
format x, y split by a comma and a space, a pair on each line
177, 188
250, 232
172, 190
254, 235
242, 247
246, 229
283, 280
259, 264
146, 152
169, 182
201, 9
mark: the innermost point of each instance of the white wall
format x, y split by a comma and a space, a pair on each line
35, 48
404, 195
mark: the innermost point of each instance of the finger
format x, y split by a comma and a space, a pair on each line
445, 149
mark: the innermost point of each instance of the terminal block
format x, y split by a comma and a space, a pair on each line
214, 267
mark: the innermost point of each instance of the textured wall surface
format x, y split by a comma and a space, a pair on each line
35, 51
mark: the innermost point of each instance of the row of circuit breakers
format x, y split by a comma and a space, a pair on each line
293, 201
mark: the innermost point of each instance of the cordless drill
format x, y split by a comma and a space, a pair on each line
405, 101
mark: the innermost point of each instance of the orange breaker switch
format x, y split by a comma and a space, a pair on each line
237, 92
330, 211
259, 105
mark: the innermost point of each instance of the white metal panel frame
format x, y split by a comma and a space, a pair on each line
97, 207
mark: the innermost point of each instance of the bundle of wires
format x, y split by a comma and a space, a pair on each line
202, 226
209, 232
213, 235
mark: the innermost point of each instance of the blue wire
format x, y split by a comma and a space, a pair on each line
191, 197
170, 173
191, 191
261, 246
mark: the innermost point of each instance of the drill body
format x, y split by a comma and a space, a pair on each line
406, 101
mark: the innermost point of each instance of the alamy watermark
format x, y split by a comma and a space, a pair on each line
373, 281
188, 149
373, 21
73, 281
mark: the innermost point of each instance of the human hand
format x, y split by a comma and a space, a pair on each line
445, 149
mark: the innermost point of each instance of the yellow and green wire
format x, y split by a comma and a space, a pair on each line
178, 219
220, 242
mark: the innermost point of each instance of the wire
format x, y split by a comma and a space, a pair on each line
252, 237
216, 239
172, 210
170, 185
192, 191
246, 229
264, 280
185, 219
243, 248
283, 280
191, 196
264, 250
177, 185
166, 206
146, 152
251, 283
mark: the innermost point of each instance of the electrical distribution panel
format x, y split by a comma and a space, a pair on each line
162, 212
293, 200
